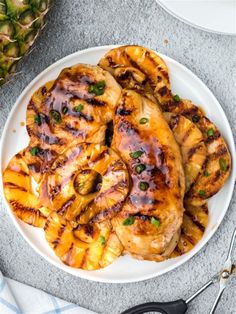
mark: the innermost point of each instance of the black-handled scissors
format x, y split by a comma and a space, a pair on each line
181, 306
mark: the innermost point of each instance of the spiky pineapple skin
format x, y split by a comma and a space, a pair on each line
20, 24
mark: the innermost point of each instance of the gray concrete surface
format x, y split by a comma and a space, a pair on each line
78, 24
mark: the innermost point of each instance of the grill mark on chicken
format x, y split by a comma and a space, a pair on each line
212, 138
127, 127
49, 139
84, 116
123, 112
221, 151
74, 131
35, 167
139, 200
109, 133
66, 205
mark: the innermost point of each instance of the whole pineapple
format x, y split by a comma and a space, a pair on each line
20, 23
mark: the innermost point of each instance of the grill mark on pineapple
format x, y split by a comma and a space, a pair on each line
195, 221
66, 205
194, 149
12, 185
84, 258
187, 133
100, 156
107, 213
121, 184
59, 235
178, 250
68, 260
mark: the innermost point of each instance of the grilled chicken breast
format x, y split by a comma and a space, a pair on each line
155, 204
192, 146
76, 107
89, 247
87, 182
19, 193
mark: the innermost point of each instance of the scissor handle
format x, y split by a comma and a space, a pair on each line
175, 307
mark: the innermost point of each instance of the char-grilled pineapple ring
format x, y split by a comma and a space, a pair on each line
89, 247
191, 142
19, 193
87, 182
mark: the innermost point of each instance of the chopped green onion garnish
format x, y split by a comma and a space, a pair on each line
176, 98
102, 240
136, 154
128, 221
143, 121
65, 110
202, 192
155, 222
195, 118
97, 88
210, 132
143, 186
140, 168
34, 151
37, 119
78, 108
206, 173
223, 165
55, 115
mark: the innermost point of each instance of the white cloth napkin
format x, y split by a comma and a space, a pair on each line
16, 297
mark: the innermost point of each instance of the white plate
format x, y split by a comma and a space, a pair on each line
218, 16
124, 269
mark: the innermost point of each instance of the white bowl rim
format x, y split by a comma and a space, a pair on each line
187, 256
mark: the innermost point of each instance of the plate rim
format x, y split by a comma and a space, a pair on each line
87, 276
188, 22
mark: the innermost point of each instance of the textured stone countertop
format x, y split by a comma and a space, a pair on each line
78, 24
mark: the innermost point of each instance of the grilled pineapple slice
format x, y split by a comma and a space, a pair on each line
87, 182
192, 146
139, 68
218, 163
89, 247
19, 193
146, 144
75, 108
194, 224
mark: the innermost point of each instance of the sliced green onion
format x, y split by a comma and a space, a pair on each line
78, 108
140, 168
136, 154
210, 132
128, 221
34, 151
143, 186
143, 121
55, 115
223, 164
155, 222
97, 88
202, 192
102, 240
37, 119
176, 98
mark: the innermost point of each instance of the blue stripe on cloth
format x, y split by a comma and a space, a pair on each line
10, 306
2, 285
54, 301
62, 309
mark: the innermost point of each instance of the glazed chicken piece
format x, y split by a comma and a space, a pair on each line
76, 107
217, 167
19, 193
150, 220
139, 68
89, 247
192, 147
89, 182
